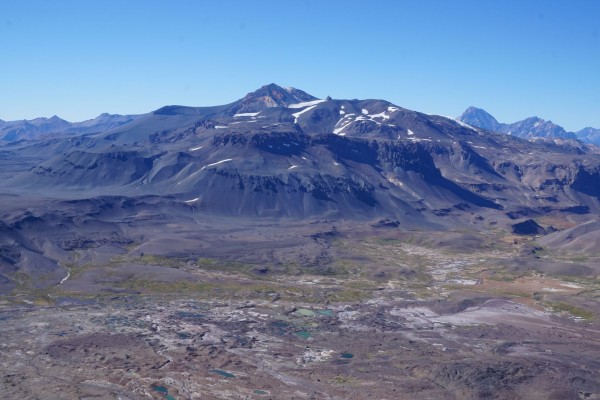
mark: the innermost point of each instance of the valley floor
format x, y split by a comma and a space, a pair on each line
326, 311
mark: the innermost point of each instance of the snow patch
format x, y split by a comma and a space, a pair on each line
381, 115
220, 126
195, 148
246, 114
410, 133
464, 125
306, 104
299, 113
192, 200
338, 131
65, 278
243, 122
347, 120
467, 282
217, 163
365, 111
293, 166
393, 109
395, 181
342, 112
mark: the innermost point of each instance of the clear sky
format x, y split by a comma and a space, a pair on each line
514, 58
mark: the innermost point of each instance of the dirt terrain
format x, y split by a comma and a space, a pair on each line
314, 311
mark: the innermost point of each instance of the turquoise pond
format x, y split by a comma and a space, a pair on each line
325, 313
223, 373
160, 389
280, 327
303, 334
164, 391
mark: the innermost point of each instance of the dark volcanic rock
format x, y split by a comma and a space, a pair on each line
504, 380
587, 180
527, 227
387, 223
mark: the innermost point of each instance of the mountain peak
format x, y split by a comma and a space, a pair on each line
529, 128
271, 95
589, 135
56, 118
473, 109
479, 117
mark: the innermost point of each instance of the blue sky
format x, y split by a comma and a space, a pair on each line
514, 58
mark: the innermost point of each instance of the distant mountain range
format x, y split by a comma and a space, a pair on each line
529, 128
267, 96
275, 96
280, 152
11, 131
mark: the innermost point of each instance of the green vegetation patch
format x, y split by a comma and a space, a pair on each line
561, 307
304, 312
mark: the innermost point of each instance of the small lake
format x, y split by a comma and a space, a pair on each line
163, 390
303, 334
225, 374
